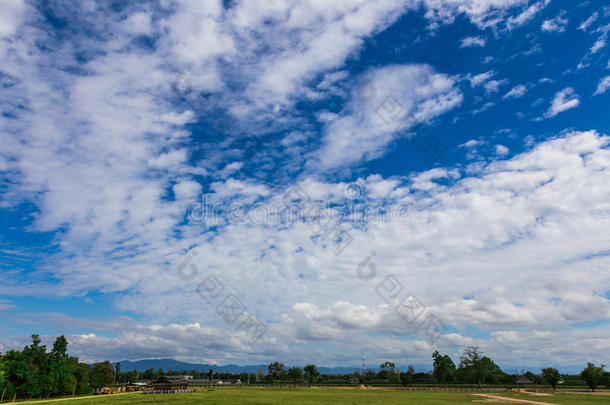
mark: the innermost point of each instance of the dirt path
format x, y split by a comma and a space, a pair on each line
75, 398
498, 398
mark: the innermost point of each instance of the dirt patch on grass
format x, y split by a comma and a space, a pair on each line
497, 398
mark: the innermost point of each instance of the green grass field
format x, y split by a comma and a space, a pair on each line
321, 396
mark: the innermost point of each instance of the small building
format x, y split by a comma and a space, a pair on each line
165, 384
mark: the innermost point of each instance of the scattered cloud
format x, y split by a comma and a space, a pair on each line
564, 100
516, 92
603, 85
493, 86
526, 15
557, 24
473, 42
502, 150
584, 26
386, 101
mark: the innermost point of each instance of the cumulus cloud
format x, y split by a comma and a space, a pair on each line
387, 101
564, 100
106, 156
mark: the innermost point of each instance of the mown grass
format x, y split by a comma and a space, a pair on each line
321, 396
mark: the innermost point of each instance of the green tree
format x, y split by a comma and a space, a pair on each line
101, 374
38, 365
477, 367
592, 375
59, 378
387, 370
16, 370
407, 378
78, 382
3, 378
149, 374
551, 376
443, 367
275, 369
210, 375
311, 373
295, 373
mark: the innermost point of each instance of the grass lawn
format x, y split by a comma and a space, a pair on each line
321, 396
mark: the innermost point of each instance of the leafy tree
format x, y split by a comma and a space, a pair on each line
295, 373
101, 374
78, 382
3, 378
592, 375
476, 367
551, 376
387, 370
311, 373
407, 378
59, 375
149, 374
470, 363
210, 375
16, 371
275, 369
38, 364
443, 367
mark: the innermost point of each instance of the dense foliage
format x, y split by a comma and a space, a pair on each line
36, 373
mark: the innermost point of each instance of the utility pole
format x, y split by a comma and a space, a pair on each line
363, 371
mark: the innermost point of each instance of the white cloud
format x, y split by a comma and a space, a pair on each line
102, 155
502, 150
387, 101
481, 78
584, 26
603, 85
516, 92
601, 40
472, 42
12, 13
564, 100
557, 24
493, 86
526, 15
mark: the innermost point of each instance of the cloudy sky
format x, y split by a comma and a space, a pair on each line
237, 182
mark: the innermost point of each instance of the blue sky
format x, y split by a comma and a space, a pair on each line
149, 151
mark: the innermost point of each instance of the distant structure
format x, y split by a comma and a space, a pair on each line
165, 385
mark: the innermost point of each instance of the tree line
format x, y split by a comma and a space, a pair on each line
35, 372
475, 368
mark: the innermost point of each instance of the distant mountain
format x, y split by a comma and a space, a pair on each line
175, 365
